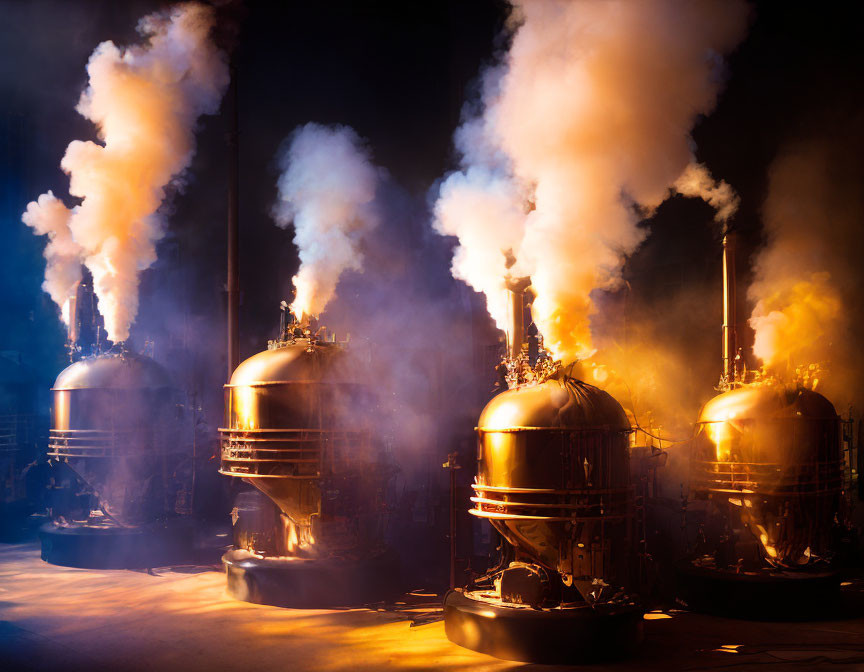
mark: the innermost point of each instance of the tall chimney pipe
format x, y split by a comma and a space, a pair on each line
517, 322
730, 334
73, 331
233, 229
516, 290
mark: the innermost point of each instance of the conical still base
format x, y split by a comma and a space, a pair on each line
564, 635
764, 595
312, 583
114, 547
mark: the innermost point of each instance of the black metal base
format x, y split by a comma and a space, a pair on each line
312, 584
111, 547
766, 595
567, 635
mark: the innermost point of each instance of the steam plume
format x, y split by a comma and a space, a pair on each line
806, 290
586, 127
326, 189
49, 217
144, 101
696, 182
495, 228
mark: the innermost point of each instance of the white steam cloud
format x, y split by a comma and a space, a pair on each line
47, 216
144, 101
585, 127
326, 190
696, 182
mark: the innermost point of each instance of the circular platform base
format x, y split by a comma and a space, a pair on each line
110, 547
312, 583
767, 595
571, 635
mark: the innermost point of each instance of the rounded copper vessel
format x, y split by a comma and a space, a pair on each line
114, 422
770, 458
554, 477
297, 429
107, 394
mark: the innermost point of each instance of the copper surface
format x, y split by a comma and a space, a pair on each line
297, 428
553, 476
771, 458
114, 421
730, 302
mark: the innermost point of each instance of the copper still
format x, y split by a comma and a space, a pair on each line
770, 459
114, 425
120, 476
298, 429
553, 478
766, 480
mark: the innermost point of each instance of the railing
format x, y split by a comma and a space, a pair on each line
291, 453
96, 443
8, 443
559, 505
768, 478
16, 430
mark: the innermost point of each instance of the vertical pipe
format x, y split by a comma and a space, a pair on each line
730, 336
859, 459
452, 464
452, 526
73, 333
233, 229
517, 321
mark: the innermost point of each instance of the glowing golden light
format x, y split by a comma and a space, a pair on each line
292, 541
763, 539
792, 322
172, 608
503, 414
296, 537
720, 435
600, 374
246, 407
656, 615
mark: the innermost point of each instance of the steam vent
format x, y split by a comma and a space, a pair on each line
297, 430
568, 366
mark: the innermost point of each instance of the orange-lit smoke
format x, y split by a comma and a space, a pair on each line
49, 217
806, 288
651, 355
795, 321
696, 182
144, 101
586, 128
326, 190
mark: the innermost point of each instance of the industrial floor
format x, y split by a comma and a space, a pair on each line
55, 618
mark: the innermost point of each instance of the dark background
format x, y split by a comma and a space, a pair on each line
398, 73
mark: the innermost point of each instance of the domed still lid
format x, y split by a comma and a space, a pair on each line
124, 371
559, 402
